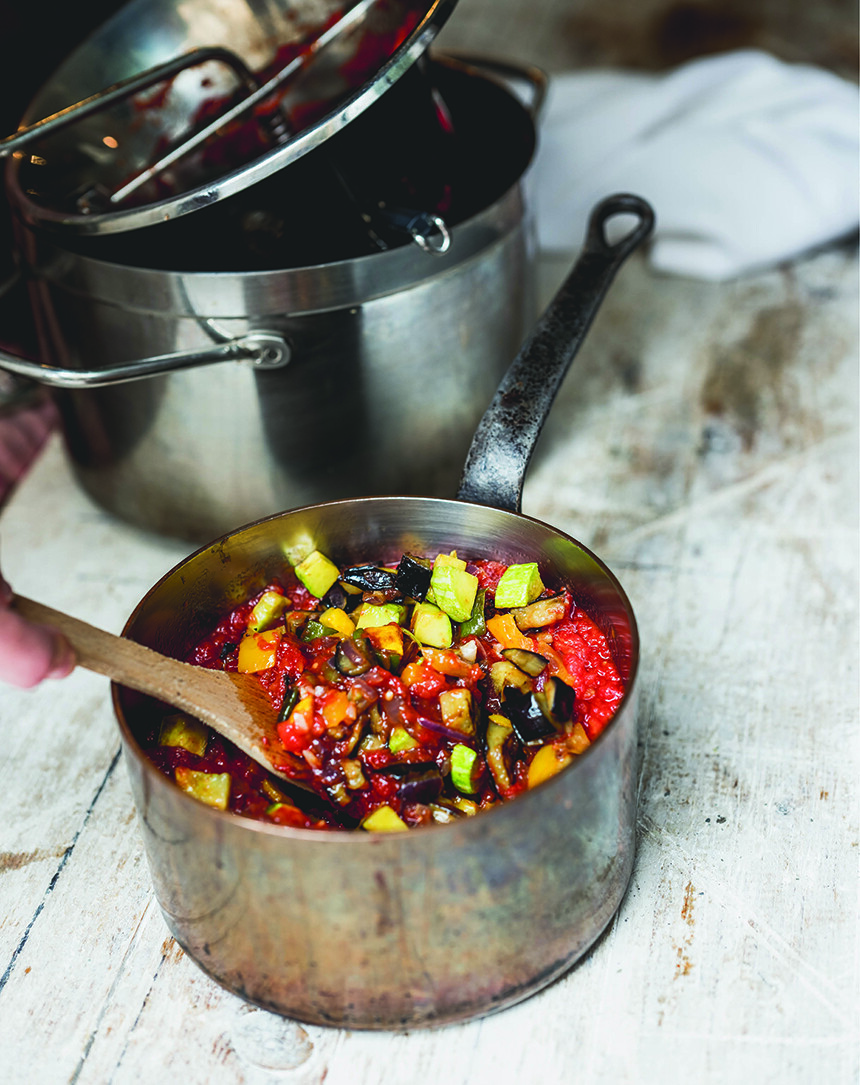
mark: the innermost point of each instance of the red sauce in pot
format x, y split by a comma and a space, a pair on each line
392, 726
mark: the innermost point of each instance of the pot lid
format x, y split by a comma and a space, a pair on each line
179, 105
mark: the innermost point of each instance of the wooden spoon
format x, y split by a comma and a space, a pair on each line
234, 705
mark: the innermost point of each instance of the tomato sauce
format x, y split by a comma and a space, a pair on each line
392, 722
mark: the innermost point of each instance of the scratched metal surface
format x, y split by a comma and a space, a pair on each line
706, 445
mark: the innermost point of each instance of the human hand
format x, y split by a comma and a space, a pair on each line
29, 653
23, 432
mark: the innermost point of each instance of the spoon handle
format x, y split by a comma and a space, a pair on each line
507, 434
122, 660
234, 705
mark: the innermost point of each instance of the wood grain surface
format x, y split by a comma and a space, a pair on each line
706, 445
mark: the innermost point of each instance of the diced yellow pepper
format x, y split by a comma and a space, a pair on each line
269, 606
213, 788
432, 626
447, 661
504, 629
335, 706
546, 763
577, 740
389, 638
257, 651
384, 820
337, 619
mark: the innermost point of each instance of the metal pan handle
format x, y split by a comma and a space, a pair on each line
507, 434
265, 350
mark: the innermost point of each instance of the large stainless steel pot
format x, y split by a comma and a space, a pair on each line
281, 385
444, 922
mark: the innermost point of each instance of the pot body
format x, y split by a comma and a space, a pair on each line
393, 355
390, 930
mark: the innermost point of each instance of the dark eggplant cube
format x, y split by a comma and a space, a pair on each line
338, 596
557, 701
423, 787
353, 658
413, 578
370, 578
522, 708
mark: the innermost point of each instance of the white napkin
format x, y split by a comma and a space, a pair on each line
747, 161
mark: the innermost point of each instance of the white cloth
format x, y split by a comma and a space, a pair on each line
747, 160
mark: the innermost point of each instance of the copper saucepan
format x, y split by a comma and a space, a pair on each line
445, 922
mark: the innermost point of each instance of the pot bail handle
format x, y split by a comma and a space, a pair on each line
507, 433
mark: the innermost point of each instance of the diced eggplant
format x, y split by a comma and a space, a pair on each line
413, 577
355, 779
526, 716
295, 621
423, 787
527, 661
543, 612
499, 734
557, 701
370, 578
457, 710
504, 674
354, 656
338, 596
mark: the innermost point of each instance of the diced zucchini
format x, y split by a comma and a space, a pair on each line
454, 589
465, 768
401, 740
384, 820
451, 560
456, 708
269, 606
432, 626
370, 615
257, 651
181, 730
464, 805
519, 585
213, 788
476, 624
317, 573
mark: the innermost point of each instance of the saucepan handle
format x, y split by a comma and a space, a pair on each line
507, 434
265, 350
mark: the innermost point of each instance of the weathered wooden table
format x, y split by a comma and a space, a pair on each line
706, 445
